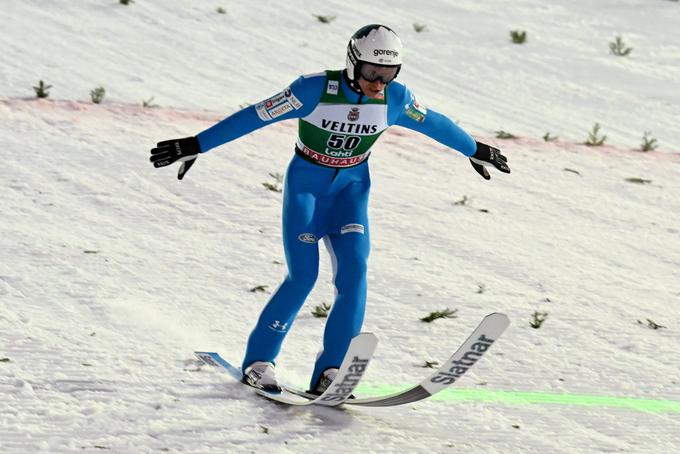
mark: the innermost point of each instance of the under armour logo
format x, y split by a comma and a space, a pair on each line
278, 326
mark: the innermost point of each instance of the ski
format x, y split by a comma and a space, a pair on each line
467, 355
351, 370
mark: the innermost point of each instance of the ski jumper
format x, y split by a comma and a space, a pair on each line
325, 197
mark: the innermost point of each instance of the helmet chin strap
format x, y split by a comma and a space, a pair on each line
353, 84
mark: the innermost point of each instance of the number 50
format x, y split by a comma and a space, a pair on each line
340, 142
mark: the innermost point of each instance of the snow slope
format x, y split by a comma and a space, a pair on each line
113, 272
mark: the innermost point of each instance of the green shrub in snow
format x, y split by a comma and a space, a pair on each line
446, 313
41, 91
648, 142
97, 95
638, 180
537, 319
462, 201
276, 186
324, 19
149, 103
518, 36
651, 324
618, 47
504, 135
321, 310
594, 139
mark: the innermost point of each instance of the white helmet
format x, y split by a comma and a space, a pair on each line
374, 52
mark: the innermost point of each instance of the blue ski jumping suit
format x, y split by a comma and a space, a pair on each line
325, 197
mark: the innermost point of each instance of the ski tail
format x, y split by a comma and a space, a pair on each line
215, 360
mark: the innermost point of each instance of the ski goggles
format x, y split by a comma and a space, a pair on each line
371, 72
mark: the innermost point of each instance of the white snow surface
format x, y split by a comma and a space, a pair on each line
112, 272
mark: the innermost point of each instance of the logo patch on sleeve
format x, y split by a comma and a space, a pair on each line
288, 93
415, 110
277, 105
332, 87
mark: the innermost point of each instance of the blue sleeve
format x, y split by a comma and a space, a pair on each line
404, 110
296, 101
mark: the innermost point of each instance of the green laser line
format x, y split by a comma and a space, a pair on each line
538, 398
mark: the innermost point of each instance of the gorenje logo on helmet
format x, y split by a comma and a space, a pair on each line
392, 53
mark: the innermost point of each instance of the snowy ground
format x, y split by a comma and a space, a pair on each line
113, 273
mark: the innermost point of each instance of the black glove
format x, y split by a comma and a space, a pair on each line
485, 156
185, 150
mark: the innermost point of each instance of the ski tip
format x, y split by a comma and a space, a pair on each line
498, 317
367, 340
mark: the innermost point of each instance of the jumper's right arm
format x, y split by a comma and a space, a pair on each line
297, 100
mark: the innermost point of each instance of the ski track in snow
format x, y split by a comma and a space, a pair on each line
113, 272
